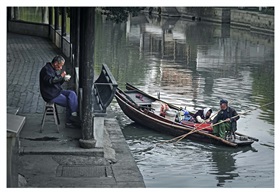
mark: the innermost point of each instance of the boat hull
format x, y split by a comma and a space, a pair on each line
157, 123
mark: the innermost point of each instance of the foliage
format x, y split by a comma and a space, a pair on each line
264, 10
120, 14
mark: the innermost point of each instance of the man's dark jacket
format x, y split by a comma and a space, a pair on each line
227, 113
50, 82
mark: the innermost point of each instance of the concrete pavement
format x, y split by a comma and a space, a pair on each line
51, 159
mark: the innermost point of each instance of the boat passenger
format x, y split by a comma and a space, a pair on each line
225, 116
164, 107
203, 116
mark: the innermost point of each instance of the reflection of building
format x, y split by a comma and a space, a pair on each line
177, 78
166, 37
174, 77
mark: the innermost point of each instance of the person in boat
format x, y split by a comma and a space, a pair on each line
225, 116
164, 107
203, 116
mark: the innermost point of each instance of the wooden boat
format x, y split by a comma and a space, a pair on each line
138, 106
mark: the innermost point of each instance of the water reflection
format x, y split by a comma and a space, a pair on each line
195, 64
224, 164
211, 61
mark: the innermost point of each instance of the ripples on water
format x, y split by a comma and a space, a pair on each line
194, 164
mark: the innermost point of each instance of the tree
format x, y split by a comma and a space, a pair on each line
120, 14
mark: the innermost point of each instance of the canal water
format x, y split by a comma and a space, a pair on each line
193, 65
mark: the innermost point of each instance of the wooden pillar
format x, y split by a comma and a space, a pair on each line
63, 22
44, 14
87, 63
63, 26
75, 34
78, 34
16, 13
9, 13
72, 34
56, 18
50, 19
73, 41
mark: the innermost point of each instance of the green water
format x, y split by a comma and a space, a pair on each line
195, 64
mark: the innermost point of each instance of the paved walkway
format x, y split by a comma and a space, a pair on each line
51, 159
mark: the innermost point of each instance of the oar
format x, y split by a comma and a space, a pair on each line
255, 139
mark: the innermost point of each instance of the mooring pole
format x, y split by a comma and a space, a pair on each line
87, 63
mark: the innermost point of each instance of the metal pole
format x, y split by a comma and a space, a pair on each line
87, 64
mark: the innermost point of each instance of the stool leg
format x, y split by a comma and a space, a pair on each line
43, 120
56, 113
55, 118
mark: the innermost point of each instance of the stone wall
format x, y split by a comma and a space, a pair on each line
248, 20
220, 15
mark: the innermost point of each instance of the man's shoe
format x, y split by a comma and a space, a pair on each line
72, 125
74, 119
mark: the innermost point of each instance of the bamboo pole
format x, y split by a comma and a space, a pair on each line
195, 130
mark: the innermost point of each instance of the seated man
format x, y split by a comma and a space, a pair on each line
202, 116
50, 87
225, 117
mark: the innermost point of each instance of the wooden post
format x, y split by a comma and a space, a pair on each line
72, 35
16, 13
75, 34
9, 13
87, 63
78, 34
63, 27
44, 14
56, 18
63, 22
50, 20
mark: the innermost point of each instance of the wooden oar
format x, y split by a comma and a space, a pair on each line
255, 139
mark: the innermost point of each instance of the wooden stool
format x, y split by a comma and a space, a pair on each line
50, 109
